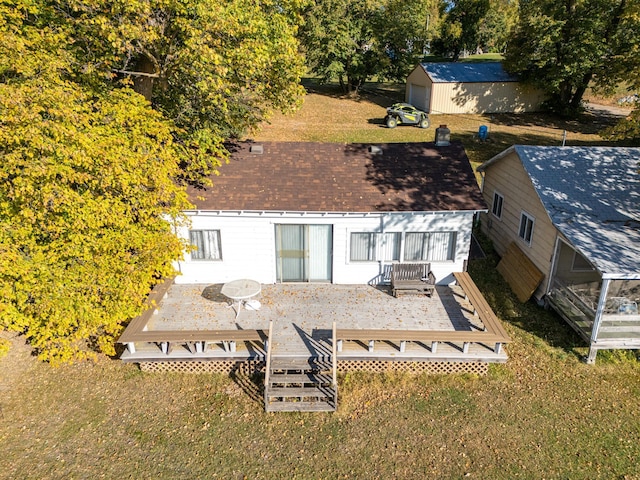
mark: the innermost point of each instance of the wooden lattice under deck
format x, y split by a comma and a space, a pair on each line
375, 366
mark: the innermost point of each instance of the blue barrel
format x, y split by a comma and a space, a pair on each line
483, 132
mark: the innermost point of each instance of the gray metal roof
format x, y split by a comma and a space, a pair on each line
453, 72
592, 195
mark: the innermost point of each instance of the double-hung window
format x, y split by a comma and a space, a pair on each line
525, 231
370, 247
417, 246
206, 243
429, 246
496, 208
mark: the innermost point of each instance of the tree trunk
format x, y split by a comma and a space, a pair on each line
579, 93
143, 84
354, 84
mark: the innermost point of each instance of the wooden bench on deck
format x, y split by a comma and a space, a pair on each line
412, 278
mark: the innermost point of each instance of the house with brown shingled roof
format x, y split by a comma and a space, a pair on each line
335, 213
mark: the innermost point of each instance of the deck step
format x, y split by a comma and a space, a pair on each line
301, 392
300, 407
284, 363
300, 378
619, 335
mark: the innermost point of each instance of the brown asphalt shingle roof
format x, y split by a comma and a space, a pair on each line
329, 177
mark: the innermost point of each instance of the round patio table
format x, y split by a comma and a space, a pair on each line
241, 290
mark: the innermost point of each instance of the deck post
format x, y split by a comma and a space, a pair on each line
498, 348
371, 344
232, 346
434, 347
591, 357
131, 347
164, 347
403, 345
465, 347
339, 342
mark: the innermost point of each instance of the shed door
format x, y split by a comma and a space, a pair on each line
303, 253
418, 97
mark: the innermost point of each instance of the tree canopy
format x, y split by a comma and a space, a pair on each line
90, 170
563, 47
352, 41
216, 69
496, 27
460, 26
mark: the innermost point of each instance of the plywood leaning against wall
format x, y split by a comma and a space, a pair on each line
520, 273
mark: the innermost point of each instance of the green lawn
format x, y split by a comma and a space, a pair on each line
329, 116
544, 414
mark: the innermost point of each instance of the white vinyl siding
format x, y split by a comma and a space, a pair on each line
250, 248
525, 232
206, 243
429, 246
498, 202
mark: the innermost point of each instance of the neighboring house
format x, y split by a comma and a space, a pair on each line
575, 214
469, 88
335, 213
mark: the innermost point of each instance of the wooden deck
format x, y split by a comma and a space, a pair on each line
194, 322
303, 334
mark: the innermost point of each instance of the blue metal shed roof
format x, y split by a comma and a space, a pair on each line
592, 195
453, 72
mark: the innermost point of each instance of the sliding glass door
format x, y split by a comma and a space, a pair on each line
303, 253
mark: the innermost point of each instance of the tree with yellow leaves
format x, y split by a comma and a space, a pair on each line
91, 171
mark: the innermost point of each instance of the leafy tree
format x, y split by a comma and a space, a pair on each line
352, 41
627, 129
404, 29
216, 69
497, 26
338, 37
460, 26
564, 46
89, 200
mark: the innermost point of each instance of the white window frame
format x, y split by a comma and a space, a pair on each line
213, 254
377, 247
451, 247
526, 227
498, 205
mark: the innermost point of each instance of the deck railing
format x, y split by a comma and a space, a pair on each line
493, 334
267, 369
195, 340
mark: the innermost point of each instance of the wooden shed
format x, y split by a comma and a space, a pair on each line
469, 88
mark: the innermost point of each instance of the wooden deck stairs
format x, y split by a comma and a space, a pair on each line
300, 384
